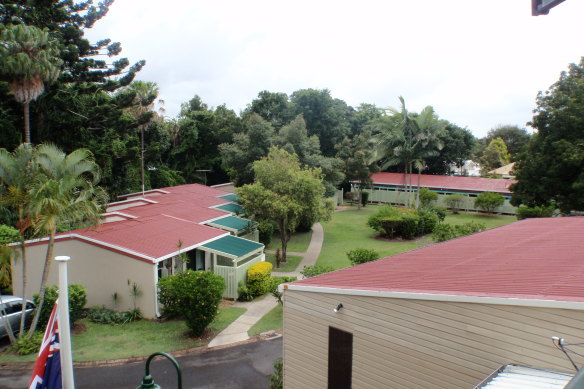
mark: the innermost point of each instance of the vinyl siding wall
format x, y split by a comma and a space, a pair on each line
399, 343
101, 271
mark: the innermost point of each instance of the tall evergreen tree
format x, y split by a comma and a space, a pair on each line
28, 60
552, 168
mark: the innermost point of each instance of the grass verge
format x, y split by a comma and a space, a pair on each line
144, 337
271, 321
348, 230
292, 262
298, 242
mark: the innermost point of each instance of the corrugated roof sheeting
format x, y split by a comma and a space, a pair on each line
520, 377
229, 197
233, 246
529, 259
231, 207
232, 223
475, 184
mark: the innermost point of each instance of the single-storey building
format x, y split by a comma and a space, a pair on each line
444, 316
147, 236
390, 188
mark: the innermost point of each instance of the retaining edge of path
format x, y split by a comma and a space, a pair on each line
178, 353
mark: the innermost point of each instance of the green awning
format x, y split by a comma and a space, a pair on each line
229, 197
231, 223
233, 247
231, 207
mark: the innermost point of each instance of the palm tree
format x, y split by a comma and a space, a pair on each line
17, 171
145, 93
63, 194
411, 140
28, 59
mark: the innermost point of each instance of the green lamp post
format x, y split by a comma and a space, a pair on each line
148, 382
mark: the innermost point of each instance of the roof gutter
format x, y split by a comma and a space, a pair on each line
539, 303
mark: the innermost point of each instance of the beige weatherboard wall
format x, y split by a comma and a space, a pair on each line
102, 272
417, 343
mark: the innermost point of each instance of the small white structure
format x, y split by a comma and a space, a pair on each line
469, 168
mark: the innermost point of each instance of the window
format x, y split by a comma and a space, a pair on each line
340, 359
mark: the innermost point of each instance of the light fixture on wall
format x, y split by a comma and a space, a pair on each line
338, 308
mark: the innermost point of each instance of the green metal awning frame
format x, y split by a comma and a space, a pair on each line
232, 224
233, 247
229, 197
231, 207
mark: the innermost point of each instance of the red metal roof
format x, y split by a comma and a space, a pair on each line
474, 184
531, 259
175, 214
152, 237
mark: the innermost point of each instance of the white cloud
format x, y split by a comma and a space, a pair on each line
478, 65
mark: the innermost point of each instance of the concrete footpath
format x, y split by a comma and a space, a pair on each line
237, 331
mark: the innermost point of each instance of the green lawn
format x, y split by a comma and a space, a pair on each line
271, 321
102, 342
291, 264
348, 230
298, 243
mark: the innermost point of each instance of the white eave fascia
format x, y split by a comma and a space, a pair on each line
227, 214
539, 303
144, 193
131, 201
116, 213
98, 242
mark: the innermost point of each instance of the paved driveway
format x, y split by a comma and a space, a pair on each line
246, 366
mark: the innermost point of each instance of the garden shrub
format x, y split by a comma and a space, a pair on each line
77, 300
444, 231
407, 223
455, 202
275, 282
488, 201
243, 292
193, 296
265, 232
25, 345
469, 228
428, 220
525, 212
364, 198
410, 226
258, 278
102, 315
427, 198
360, 255
277, 379
314, 270
440, 212
8, 234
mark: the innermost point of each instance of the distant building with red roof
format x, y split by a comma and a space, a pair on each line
443, 316
145, 237
389, 188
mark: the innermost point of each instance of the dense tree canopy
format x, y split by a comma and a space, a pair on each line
284, 193
552, 168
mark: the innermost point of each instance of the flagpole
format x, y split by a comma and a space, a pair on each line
64, 327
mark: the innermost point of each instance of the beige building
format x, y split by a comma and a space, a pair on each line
146, 237
444, 316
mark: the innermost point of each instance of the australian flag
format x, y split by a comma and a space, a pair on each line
47, 369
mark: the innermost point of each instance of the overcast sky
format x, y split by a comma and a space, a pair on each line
479, 63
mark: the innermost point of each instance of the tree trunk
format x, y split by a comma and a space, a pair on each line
26, 124
284, 238
23, 249
359, 197
418, 192
142, 154
48, 261
7, 325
